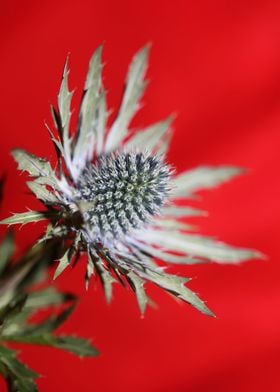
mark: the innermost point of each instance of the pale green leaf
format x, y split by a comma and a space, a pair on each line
106, 278
47, 297
63, 263
138, 287
204, 177
198, 246
134, 88
42, 193
78, 346
27, 217
86, 139
163, 255
35, 166
162, 149
64, 108
150, 137
175, 285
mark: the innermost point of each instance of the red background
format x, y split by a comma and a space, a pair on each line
216, 63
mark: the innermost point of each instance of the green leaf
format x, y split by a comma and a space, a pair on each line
205, 177
63, 263
106, 278
35, 166
12, 308
64, 108
84, 146
7, 248
138, 286
51, 323
75, 345
198, 246
47, 297
19, 377
175, 285
27, 217
42, 193
150, 137
134, 88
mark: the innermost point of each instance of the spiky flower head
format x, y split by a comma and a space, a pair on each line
114, 197
122, 192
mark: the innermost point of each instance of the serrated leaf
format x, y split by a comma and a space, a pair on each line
12, 308
204, 177
42, 193
64, 108
27, 217
106, 278
138, 286
75, 345
7, 249
150, 137
198, 246
86, 139
134, 88
175, 285
35, 166
63, 263
20, 378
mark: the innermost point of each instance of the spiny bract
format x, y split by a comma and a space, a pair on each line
116, 202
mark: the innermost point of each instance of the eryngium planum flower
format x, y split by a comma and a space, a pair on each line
114, 197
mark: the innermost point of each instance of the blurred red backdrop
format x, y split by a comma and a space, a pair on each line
217, 64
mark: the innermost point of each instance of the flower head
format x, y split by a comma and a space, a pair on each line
114, 196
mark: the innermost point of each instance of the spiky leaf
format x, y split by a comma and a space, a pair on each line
204, 177
175, 285
78, 346
35, 166
138, 286
27, 217
150, 137
64, 108
19, 377
134, 88
198, 246
42, 193
63, 263
86, 138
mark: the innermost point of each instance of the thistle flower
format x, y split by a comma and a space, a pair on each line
114, 196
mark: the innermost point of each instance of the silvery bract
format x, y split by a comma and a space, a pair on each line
113, 196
